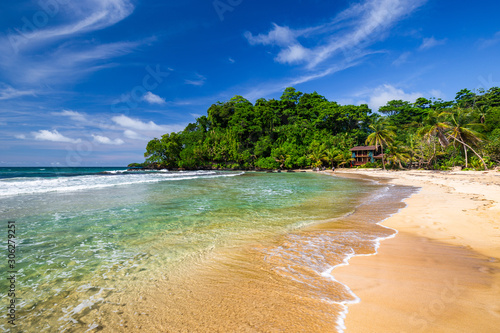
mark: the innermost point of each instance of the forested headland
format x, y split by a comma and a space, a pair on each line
303, 130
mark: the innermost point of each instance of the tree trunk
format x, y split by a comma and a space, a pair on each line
466, 145
466, 162
383, 162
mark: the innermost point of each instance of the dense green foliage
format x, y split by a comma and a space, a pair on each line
306, 130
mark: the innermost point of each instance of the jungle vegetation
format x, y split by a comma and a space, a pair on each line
303, 130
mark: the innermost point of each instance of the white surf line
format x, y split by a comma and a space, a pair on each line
328, 273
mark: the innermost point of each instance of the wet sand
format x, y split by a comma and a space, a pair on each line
274, 285
441, 273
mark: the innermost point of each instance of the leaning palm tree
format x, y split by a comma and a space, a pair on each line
434, 126
382, 135
460, 130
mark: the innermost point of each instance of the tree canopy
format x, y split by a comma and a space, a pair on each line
303, 130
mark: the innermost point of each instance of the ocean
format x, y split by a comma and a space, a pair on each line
106, 249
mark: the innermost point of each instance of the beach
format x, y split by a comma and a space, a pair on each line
208, 251
440, 273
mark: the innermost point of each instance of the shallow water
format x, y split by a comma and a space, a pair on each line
114, 250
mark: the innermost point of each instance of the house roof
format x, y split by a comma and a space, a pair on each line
363, 148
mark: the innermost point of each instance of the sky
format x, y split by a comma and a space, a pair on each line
90, 82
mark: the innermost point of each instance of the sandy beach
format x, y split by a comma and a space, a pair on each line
441, 271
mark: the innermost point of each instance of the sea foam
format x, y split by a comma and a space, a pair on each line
21, 185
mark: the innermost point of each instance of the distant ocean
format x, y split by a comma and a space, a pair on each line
85, 236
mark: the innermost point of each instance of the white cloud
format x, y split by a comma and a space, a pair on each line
231, 60
146, 129
73, 115
45, 135
153, 99
64, 56
133, 135
199, 81
281, 36
382, 94
136, 124
348, 34
66, 61
80, 16
431, 42
107, 141
7, 92
385, 93
20, 136
295, 53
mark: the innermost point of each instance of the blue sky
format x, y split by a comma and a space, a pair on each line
89, 82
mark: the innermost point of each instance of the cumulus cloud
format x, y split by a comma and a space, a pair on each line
281, 36
153, 99
20, 136
381, 95
55, 136
133, 135
136, 124
138, 129
107, 141
431, 42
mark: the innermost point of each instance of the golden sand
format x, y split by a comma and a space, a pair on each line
441, 272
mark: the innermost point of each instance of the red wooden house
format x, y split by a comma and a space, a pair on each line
365, 154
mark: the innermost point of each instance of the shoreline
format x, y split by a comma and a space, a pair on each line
440, 273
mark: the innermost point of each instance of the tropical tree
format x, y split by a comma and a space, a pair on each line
344, 157
331, 155
460, 130
318, 153
434, 126
382, 135
397, 154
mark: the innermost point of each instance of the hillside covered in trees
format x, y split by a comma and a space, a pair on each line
302, 130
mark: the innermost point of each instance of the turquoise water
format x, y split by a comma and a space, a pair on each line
83, 234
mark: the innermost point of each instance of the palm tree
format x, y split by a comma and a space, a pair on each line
398, 154
482, 112
460, 130
344, 157
318, 153
331, 154
435, 127
383, 134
